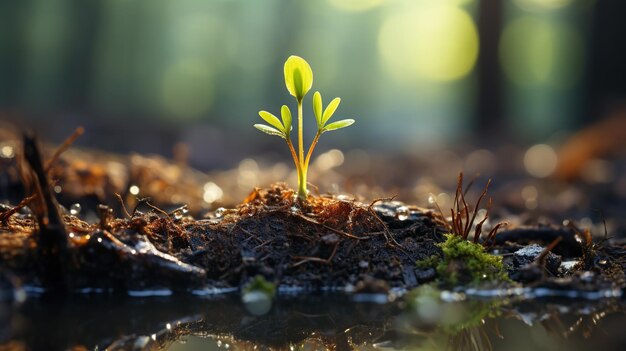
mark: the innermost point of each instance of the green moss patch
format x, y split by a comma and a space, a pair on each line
465, 262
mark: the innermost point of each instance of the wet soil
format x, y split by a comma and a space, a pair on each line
148, 228
133, 244
325, 243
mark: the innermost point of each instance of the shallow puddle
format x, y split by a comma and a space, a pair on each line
427, 321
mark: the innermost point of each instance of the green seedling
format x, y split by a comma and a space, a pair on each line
299, 79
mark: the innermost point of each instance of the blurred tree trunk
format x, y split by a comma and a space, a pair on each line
12, 53
489, 101
606, 88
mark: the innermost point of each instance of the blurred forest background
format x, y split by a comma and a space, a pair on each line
143, 75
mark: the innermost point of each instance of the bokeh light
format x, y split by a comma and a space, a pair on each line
355, 5
194, 65
540, 160
432, 40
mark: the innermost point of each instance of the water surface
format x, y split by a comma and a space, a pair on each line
336, 322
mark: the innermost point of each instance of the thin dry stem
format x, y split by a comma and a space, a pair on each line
540, 259
5, 215
119, 197
66, 144
304, 259
461, 221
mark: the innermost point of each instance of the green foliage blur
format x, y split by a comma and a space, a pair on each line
408, 67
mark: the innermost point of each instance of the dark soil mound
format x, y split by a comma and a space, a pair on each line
323, 243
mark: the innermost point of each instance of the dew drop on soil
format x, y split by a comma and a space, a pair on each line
402, 213
431, 199
219, 213
181, 212
75, 209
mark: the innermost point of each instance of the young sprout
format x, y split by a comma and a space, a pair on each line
299, 79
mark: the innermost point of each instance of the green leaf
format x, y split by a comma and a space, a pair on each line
338, 125
298, 76
285, 114
330, 110
317, 108
272, 120
269, 130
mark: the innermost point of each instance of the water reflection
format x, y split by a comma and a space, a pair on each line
312, 323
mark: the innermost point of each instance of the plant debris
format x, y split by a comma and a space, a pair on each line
322, 243
138, 245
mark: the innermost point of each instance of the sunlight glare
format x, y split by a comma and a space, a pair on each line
434, 41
